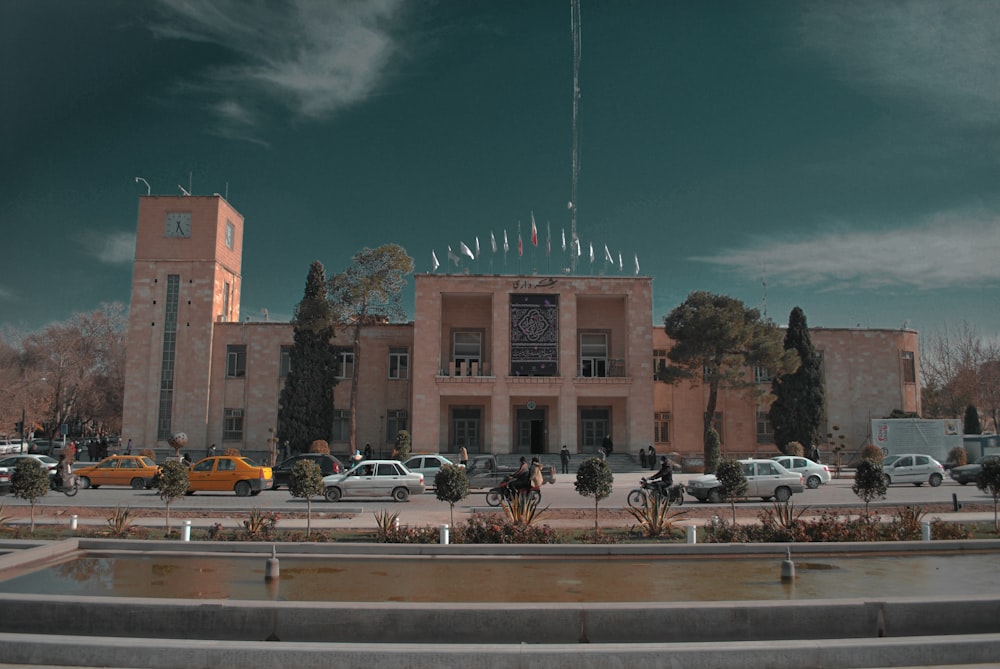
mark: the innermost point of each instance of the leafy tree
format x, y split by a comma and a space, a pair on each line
869, 482
594, 479
732, 483
368, 293
797, 411
403, 445
30, 481
716, 339
306, 481
713, 451
971, 423
451, 485
172, 483
988, 481
305, 410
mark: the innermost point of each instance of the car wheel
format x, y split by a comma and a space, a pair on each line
332, 494
84, 482
812, 482
782, 494
888, 480
401, 494
138, 484
242, 489
935, 480
714, 496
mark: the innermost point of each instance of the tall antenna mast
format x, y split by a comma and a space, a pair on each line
763, 288
577, 53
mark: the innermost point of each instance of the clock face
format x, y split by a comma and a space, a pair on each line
177, 225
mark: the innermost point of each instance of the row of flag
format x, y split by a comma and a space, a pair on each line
465, 250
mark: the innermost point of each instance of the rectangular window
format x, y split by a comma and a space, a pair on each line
909, 367
468, 351
230, 233
225, 302
399, 363
661, 427
284, 361
466, 427
593, 354
765, 434
761, 375
718, 424
236, 360
232, 425
341, 426
659, 362
595, 424
395, 420
345, 363
169, 358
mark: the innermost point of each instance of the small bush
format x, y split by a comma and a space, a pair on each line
120, 522
958, 456
873, 453
655, 516
794, 448
148, 453
260, 524
232, 452
319, 446
490, 529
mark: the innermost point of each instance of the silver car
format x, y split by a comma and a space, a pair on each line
914, 468
374, 478
428, 465
812, 472
765, 479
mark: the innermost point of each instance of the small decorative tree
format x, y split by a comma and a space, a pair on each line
451, 485
873, 453
713, 451
594, 479
402, 451
958, 456
319, 446
29, 482
306, 481
988, 481
172, 483
869, 482
794, 448
732, 483
837, 443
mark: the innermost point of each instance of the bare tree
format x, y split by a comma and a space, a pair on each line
960, 367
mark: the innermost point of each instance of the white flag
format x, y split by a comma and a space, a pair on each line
564, 239
451, 255
579, 252
477, 246
434, 261
621, 265
493, 242
466, 250
636, 263
591, 253
506, 246
607, 255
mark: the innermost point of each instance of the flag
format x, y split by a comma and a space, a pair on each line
451, 256
506, 246
607, 255
434, 262
520, 244
534, 231
493, 242
466, 250
636, 263
548, 238
591, 253
477, 246
578, 251
564, 239
621, 265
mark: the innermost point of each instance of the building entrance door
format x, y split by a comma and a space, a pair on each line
530, 431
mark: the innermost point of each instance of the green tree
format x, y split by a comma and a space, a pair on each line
368, 293
30, 481
971, 423
988, 481
594, 479
732, 483
305, 409
306, 481
713, 451
451, 485
172, 483
403, 445
716, 339
797, 411
869, 482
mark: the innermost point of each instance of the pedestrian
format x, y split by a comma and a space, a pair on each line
564, 459
210, 452
104, 447
651, 457
368, 451
815, 454
186, 460
128, 447
642, 458
463, 456
607, 445
601, 453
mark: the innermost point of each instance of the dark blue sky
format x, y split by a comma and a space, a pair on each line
845, 153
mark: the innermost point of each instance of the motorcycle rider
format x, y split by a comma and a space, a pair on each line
64, 472
519, 479
665, 476
535, 479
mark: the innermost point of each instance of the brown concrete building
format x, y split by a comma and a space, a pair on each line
495, 363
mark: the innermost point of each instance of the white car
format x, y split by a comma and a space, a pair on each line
813, 473
912, 468
428, 465
374, 478
765, 479
12, 446
8, 463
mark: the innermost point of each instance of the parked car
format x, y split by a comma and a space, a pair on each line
914, 468
813, 473
966, 474
7, 464
12, 446
135, 471
4, 483
428, 465
375, 478
765, 479
229, 472
328, 464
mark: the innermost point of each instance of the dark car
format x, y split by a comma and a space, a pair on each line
328, 464
966, 474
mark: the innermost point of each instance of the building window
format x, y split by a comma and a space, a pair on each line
909, 367
661, 427
169, 358
466, 428
717, 425
595, 424
341, 426
765, 433
468, 351
232, 425
593, 354
660, 362
225, 301
395, 420
236, 360
345, 363
230, 233
284, 361
399, 363
761, 375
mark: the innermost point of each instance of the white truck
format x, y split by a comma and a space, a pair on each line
928, 436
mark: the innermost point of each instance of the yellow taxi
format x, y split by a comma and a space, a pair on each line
136, 471
229, 472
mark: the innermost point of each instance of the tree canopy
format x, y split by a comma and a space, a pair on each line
797, 411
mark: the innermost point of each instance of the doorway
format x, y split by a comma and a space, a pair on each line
530, 431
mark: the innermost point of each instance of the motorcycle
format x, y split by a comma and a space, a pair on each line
506, 491
68, 488
637, 498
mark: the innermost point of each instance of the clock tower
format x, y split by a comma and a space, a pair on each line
185, 280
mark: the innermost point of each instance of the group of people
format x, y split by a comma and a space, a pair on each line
527, 476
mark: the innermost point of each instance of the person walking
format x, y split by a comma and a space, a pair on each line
128, 447
463, 456
368, 451
564, 459
642, 458
608, 445
651, 458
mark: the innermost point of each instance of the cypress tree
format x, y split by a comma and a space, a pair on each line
305, 411
797, 411
971, 423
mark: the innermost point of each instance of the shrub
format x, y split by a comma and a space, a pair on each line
655, 516
958, 456
306, 481
451, 484
120, 522
594, 479
260, 524
319, 446
172, 482
403, 442
30, 481
148, 453
713, 451
732, 482
869, 482
490, 529
232, 452
794, 448
522, 509
873, 453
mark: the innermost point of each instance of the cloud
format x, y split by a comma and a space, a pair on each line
114, 249
944, 54
311, 58
7, 295
946, 251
